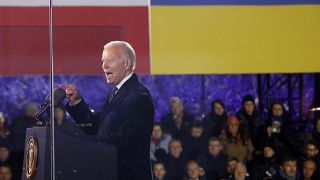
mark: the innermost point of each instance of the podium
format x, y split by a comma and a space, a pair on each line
76, 157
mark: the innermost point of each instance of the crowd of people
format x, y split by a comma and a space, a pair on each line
233, 147
220, 146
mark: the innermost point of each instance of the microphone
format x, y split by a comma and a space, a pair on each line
59, 95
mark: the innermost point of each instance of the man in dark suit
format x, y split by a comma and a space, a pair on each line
127, 117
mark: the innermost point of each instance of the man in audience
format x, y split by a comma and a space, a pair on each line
17, 136
62, 122
311, 152
194, 143
175, 163
5, 172
251, 121
308, 171
240, 172
215, 121
288, 169
159, 171
193, 171
177, 122
231, 166
215, 161
267, 166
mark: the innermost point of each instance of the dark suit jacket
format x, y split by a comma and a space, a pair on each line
125, 122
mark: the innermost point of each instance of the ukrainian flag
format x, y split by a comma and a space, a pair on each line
234, 36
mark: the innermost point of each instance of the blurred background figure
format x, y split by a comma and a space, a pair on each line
238, 144
251, 121
193, 171
175, 163
288, 169
177, 122
194, 143
231, 166
62, 122
5, 172
214, 162
309, 169
216, 120
159, 143
18, 133
240, 172
159, 171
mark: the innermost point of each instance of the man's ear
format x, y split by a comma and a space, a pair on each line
127, 64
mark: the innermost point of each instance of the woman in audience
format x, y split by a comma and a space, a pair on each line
251, 121
159, 143
216, 120
238, 144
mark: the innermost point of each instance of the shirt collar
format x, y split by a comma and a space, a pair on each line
123, 81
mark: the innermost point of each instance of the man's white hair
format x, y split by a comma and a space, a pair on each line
127, 49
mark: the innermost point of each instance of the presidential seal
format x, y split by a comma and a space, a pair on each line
31, 157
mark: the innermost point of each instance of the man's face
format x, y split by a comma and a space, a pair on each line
175, 149
159, 171
4, 153
311, 150
231, 166
290, 168
249, 107
218, 109
215, 147
196, 132
268, 152
5, 173
277, 110
114, 65
176, 109
156, 132
308, 169
193, 171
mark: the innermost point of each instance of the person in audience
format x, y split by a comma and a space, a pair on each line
288, 169
177, 122
278, 110
308, 170
316, 131
194, 143
310, 152
267, 166
238, 144
240, 172
214, 162
216, 120
159, 143
5, 172
193, 171
62, 122
283, 137
4, 127
251, 121
17, 136
231, 166
159, 171
175, 163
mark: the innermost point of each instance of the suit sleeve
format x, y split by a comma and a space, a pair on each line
82, 114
